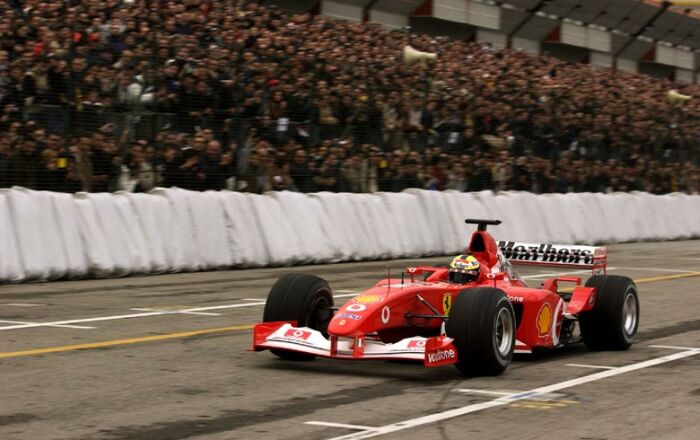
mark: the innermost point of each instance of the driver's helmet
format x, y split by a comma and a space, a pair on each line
464, 269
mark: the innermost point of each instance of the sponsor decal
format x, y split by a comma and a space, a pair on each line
350, 316
446, 303
297, 334
416, 343
559, 319
516, 299
441, 355
386, 314
367, 299
544, 319
356, 308
547, 253
342, 322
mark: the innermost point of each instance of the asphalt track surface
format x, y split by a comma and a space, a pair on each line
164, 357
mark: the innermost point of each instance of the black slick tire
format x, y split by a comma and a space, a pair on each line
303, 298
613, 322
482, 323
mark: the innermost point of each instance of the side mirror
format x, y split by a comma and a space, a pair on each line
496, 276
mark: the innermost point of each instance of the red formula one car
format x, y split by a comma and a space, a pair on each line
477, 325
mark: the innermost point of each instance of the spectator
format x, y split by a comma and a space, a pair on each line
24, 164
51, 176
300, 173
238, 72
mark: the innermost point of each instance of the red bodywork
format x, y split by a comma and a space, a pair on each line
404, 317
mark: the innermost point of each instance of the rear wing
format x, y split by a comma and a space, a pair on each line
561, 255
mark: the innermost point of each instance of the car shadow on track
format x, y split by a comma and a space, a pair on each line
402, 371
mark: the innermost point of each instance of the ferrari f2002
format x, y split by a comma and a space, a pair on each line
474, 314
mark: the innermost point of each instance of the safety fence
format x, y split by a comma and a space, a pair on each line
46, 235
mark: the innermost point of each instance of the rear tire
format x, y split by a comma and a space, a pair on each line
482, 324
306, 299
613, 322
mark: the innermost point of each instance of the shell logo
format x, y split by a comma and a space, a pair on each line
544, 319
367, 299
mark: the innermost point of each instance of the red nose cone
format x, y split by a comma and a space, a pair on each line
357, 316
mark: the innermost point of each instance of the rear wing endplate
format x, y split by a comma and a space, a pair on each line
561, 255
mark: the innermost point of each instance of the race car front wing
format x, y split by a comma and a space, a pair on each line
283, 335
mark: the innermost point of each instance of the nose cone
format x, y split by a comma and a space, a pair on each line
357, 316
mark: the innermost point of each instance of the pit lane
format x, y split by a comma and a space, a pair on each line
163, 357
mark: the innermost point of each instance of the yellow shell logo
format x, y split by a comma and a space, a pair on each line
446, 303
544, 319
367, 299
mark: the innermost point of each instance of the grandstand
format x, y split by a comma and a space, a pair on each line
540, 96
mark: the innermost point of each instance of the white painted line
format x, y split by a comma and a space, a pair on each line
344, 295
176, 311
602, 367
485, 392
52, 325
507, 400
497, 393
673, 347
645, 269
132, 315
22, 305
347, 291
340, 425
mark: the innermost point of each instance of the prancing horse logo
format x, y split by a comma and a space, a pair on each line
446, 303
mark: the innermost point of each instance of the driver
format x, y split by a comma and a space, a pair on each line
464, 269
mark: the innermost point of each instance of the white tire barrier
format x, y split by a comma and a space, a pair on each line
45, 236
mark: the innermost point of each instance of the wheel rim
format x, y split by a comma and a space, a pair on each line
503, 332
629, 314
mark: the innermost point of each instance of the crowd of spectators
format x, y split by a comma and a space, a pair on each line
243, 97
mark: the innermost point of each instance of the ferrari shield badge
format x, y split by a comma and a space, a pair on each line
446, 303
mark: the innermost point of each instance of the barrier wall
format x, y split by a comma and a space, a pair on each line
46, 236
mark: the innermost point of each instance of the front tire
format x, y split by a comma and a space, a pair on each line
306, 299
613, 322
482, 324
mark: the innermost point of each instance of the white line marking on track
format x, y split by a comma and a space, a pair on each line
601, 367
507, 400
657, 270
340, 425
548, 397
83, 327
176, 311
485, 392
22, 304
252, 299
645, 269
147, 313
132, 315
673, 347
